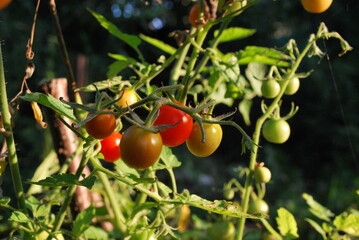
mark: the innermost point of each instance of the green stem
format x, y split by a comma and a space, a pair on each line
270, 229
10, 142
119, 218
256, 137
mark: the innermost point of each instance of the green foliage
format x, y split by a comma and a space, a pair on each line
64, 179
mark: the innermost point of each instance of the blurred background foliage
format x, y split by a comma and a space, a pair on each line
321, 156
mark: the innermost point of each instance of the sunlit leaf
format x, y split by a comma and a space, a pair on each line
348, 223
158, 44
287, 224
317, 209
268, 56
234, 33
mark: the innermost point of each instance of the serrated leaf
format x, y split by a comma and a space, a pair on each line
95, 233
348, 223
51, 102
101, 85
65, 179
268, 56
317, 227
217, 206
286, 224
83, 220
158, 44
317, 209
234, 33
170, 160
4, 201
244, 108
132, 40
20, 217
123, 169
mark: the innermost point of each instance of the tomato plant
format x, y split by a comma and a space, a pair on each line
221, 231
258, 206
178, 134
262, 174
140, 148
213, 139
316, 6
110, 147
101, 126
127, 98
194, 15
276, 130
4, 3
270, 88
293, 86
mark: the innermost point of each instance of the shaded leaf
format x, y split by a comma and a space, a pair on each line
245, 107
287, 224
268, 56
4, 201
317, 227
63, 180
255, 72
101, 85
95, 233
83, 221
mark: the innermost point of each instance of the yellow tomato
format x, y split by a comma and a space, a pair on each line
316, 6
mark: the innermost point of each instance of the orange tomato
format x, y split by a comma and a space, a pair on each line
316, 6
194, 15
4, 3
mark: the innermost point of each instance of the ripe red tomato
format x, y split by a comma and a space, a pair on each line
316, 6
214, 135
127, 98
194, 15
110, 147
102, 126
176, 135
276, 130
258, 206
270, 88
140, 148
4, 3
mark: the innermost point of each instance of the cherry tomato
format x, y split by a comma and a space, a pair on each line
270, 88
110, 147
316, 6
292, 87
228, 193
236, 5
140, 148
4, 3
276, 131
178, 134
194, 15
102, 126
221, 231
127, 98
258, 206
262, 174
213, 139
44, 235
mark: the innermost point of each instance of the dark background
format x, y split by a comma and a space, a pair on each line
320, 157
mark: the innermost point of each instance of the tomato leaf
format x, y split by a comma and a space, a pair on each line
4, 201
62, 180
123, 169
348, 223
255, 72
317, 209
170, 160
19, 217
132, 40
234, 33
287, 224
245, 107
93, 232
101, 85
158, 44
317, 227
83, 221
51, 102
268, 56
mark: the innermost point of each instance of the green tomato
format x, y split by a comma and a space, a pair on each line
221, 231
262, 174
44, 235
258, 206
270, 88
276, 131
236, 5
293, 86
228, 193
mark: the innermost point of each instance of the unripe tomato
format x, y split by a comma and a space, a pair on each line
228, 193
176, 135
44, 235
4, 3
270, 88
214, 135
140, 148
194, 15
316, 6
262, 174
127, 98
221, 231
102, 126
236, 5
258, 206
110, 147
276, 131
293, 86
